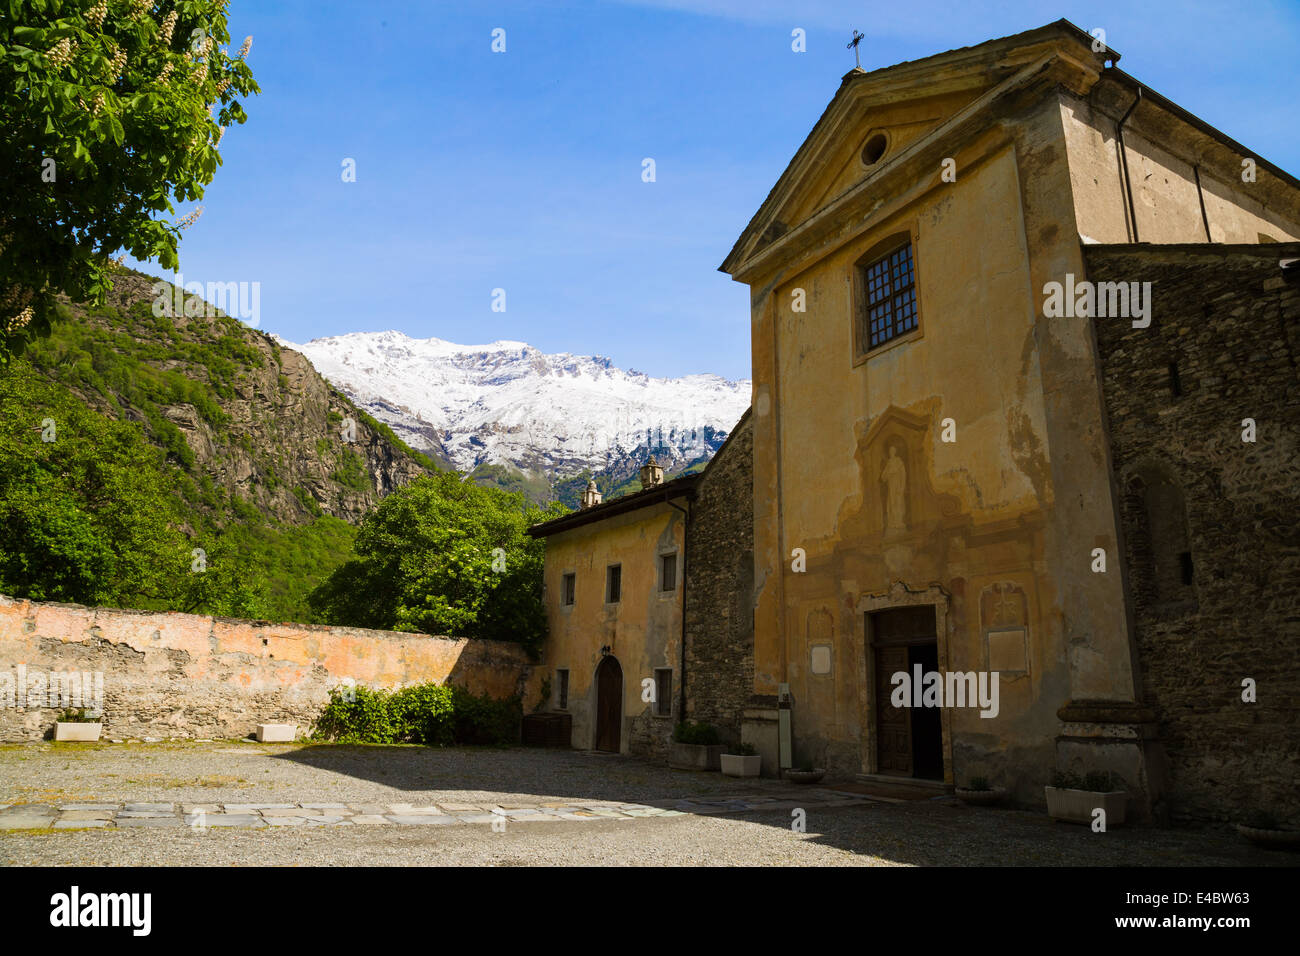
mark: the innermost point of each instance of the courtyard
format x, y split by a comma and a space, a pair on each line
242, 803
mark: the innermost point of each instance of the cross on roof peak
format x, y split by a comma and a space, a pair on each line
853, 45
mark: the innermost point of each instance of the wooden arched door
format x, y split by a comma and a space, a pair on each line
609, 705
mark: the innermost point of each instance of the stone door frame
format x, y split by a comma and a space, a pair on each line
898, 595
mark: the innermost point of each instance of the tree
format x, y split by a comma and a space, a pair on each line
444, 556
90, 512
86, 514
107, 108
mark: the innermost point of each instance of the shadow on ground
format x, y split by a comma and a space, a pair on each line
924, 833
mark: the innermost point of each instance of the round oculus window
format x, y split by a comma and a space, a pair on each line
874, 148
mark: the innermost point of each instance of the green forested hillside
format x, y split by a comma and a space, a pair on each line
129, 440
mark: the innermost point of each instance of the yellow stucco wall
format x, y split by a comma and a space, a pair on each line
642, 630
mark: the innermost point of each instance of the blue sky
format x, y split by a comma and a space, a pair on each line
478, 170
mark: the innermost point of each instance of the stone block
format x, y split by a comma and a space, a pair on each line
277, 733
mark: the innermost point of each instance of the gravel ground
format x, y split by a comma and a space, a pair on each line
877, 834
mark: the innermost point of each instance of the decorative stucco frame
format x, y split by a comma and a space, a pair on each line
900, 595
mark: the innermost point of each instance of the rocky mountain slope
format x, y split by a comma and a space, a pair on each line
250, 423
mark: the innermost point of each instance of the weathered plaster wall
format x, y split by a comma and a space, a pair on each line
1161, 161
170, 675
720, 588
643, 630
1226, 318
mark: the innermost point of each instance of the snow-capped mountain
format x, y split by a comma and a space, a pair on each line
508, 403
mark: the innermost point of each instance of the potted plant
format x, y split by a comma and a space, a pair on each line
1073, 798
78, 724
980, 794
741, 760
696, 746
806, 773
1263, 829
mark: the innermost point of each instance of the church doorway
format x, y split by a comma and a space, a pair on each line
609, 705
909, 740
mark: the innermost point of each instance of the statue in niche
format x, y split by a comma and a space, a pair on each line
894, 477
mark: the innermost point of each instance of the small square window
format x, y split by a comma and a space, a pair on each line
569, 589
668, 572
562, 688
614, 584
663, 692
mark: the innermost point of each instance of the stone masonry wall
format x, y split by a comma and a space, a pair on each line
1212, 523
170, 675
719, 587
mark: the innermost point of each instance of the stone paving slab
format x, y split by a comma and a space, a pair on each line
233, 820
420, 819
149, 822
201, 815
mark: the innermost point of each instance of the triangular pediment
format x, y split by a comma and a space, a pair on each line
903, 104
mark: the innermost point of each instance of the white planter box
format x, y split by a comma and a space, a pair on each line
737, 765
277, 733
77, 731
1076, 806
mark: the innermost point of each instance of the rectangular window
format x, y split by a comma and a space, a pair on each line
663, 692
668, 572
562, 688
889, 298
613, 584
569, 589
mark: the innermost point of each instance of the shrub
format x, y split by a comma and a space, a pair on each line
485, 721
365, 719
691, 732
1065, 780
1100, 781
742, 750
79, 715
422, 714
979, 783
436, 715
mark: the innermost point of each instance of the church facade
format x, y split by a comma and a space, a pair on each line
976, 546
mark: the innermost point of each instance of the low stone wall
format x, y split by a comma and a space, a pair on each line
177, 676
